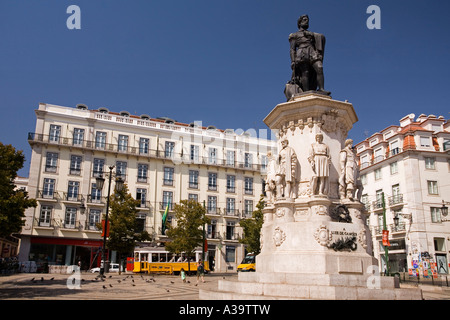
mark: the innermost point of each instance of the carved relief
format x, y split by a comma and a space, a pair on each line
279, 236
320, 210
362, 238
280, 212
323, 236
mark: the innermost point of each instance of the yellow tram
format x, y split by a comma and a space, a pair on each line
158, 260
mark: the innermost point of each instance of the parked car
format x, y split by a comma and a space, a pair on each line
113, 267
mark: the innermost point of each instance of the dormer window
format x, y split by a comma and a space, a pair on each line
103, 110
124, 114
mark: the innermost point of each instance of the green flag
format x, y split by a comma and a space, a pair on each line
164, 219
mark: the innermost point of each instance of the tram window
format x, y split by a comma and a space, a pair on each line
155, 257
136, 256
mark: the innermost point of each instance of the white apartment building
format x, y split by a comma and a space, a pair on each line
410, 165
162, 162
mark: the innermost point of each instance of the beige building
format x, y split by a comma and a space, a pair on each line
162, 161
410, 164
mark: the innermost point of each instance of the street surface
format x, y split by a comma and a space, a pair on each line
127, 286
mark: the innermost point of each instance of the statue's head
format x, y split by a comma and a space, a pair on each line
348, 142
284, 142
303, 22
319, 137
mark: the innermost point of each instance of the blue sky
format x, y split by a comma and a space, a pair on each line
224, 63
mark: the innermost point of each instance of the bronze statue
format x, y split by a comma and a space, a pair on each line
306, 51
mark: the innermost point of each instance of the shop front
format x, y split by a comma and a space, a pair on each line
63, 251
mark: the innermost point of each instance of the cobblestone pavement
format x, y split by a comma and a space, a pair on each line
88, 286
127, 286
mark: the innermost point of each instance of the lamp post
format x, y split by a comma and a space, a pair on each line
100, 181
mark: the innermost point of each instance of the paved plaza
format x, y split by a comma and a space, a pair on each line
127, 286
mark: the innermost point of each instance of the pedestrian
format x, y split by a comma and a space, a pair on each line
183, 275
200, 271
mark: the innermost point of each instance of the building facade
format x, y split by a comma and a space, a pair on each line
405, 172
162, 162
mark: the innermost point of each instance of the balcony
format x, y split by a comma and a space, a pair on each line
72, 197
231, 212
38, 138
48, 195
396, 200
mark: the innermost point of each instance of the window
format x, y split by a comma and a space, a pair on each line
264, 162
212, 230
365, 201
144, 145
96, 194
394, 147
248, 184
45, 216
231, 202
100, 140
55, 133
248, 160
231, 181
425, 141
365, 161
167, 200
193, 179
78, 136
142, 172
49, 188
75, 165
121, 169
379, 199
98, 167
168, 176
230, 231
439, 244
248, 207
394, 167
364, 179
123, 143
212, 204
141, 195
73, 190
230, 157
69, 220
94, 219
212, 181
430, 163
194, 156
212, 156
435, 215
230, 254
432, 187
193, 196
377, 173
378, 156
169, 149
51, 162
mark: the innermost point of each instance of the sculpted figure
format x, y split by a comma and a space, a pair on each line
286, 171
320, 161
306, 51
348, 173
271, 177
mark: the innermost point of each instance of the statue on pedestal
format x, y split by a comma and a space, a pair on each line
349, 175
286, 174
306, 51
320, 160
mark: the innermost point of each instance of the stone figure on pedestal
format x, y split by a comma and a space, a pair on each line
286, 171
320, 160
270, 187
349, 176
306, 51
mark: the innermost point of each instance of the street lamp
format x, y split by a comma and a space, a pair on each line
100, 181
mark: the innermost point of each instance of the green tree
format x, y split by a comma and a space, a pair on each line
187, 235
252, 228
12, 202
122, 218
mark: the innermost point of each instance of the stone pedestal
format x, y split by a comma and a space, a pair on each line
308, 250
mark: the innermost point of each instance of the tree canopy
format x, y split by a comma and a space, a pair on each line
252, 228
187, 235
12, 202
